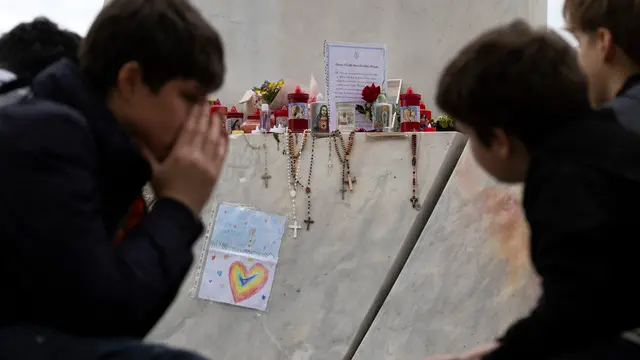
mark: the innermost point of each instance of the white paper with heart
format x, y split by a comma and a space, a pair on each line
241, 252
237, 280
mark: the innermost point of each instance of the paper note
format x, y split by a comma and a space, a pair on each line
242, 230
237, 280
351, 67
242, 256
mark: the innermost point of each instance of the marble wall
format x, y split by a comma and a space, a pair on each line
273, 39
328, 278
467, 279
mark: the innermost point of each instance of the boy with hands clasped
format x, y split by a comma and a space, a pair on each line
193, 167
75, 154
521, 97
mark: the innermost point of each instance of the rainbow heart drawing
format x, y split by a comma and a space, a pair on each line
245, 284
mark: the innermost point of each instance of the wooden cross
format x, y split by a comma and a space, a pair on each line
266, 178
350, 182
295, 226
309, 222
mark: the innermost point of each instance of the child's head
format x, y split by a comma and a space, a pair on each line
30, 47
509, 87
607, 31
154, 61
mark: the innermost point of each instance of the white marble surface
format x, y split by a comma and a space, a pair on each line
467, 278
273, 39
326, 278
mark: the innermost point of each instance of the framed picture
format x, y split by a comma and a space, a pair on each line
393, 90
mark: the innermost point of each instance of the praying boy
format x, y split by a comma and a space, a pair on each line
520, 96
75, 154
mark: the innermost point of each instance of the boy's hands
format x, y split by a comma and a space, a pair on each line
195, 163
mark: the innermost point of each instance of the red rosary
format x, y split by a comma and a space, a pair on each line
414, 164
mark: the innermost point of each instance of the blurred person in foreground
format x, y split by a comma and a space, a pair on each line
521, 97
74, 157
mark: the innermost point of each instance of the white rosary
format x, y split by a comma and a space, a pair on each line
293, 183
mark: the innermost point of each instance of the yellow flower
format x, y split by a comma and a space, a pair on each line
271, 85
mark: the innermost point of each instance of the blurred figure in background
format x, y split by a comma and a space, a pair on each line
29, 48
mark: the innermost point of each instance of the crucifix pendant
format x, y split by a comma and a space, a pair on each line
350, 182
343, 190
309, 221
414, 202
265, 178
295, 226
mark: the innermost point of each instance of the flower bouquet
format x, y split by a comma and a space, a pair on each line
267, 92
444, 123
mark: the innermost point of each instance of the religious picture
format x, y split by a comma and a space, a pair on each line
424, 120
406, 115
298, 111
382, 114
410, 114
347, 119
321, 123
343, 119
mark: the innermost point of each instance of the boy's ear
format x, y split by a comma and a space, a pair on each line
604, 44
129, 79
501, 144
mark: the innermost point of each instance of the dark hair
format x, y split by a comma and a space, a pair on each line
29, 48
514, 78
169, 39
620, 17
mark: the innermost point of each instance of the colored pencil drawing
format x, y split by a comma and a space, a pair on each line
237, 280
242, 256
246, 283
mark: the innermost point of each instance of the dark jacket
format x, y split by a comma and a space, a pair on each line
8, 97
68, 173
581, 200
626, 105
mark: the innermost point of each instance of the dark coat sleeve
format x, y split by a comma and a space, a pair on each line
580, 254
88, 286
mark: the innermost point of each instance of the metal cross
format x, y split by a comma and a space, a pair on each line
309, 221
295, 227
266, 178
